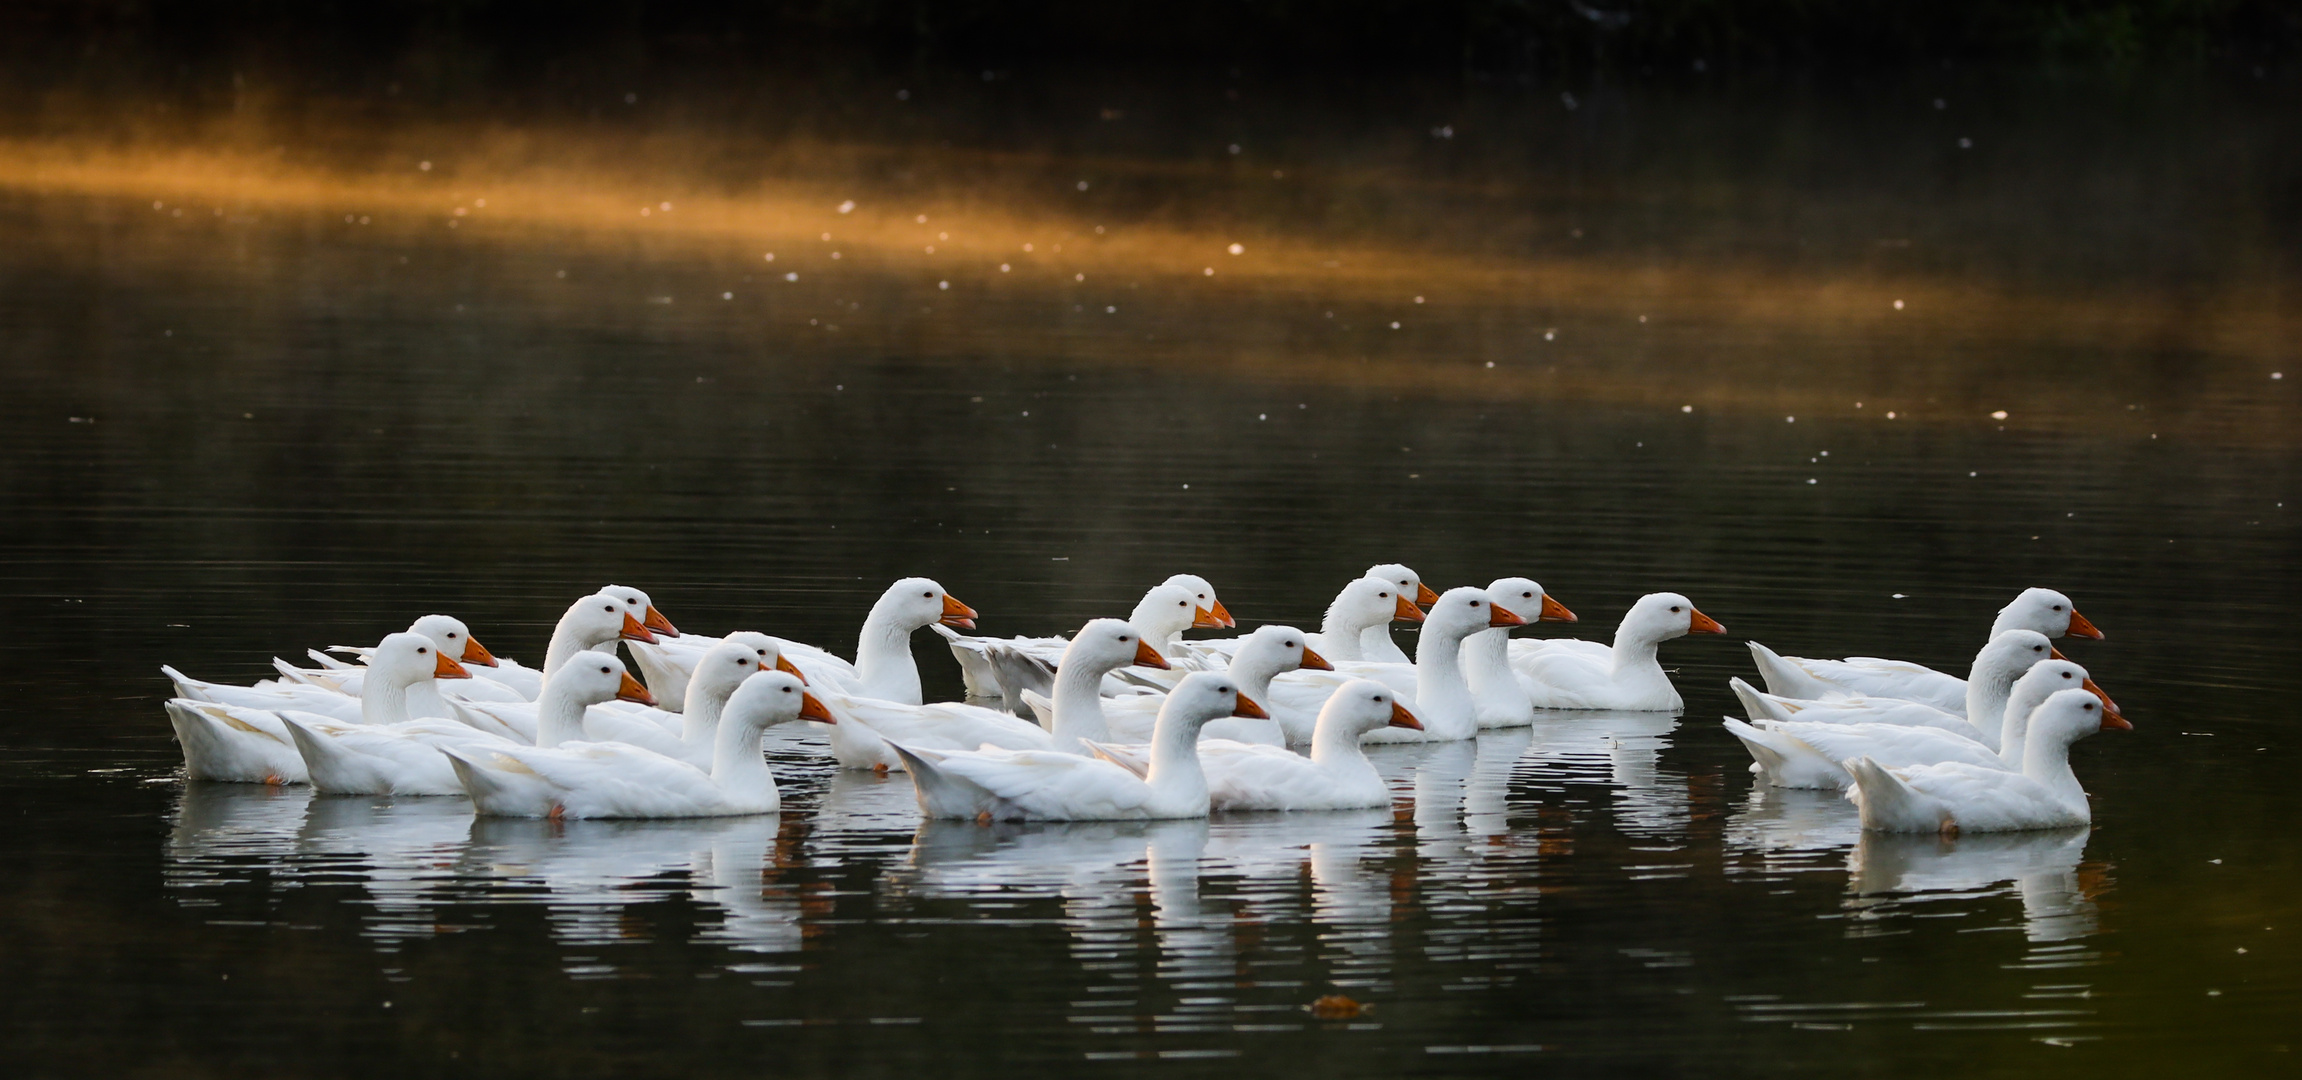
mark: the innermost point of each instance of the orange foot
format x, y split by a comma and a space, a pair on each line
879, 769
559, 813
983, 818
275, 779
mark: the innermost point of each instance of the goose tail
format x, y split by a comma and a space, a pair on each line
1015, 671
942, 793
1785, 761
186, 686
1756, 704
1888, 804
1784, 676
1130, 758
1041, 708
333, 769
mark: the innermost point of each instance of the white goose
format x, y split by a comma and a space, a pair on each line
593, 623
1180, 603
1044, 785
1337, 775
387, 752
1567, 673
1076, 712
448, 632
666, 665
723, 668
1989, 680
1956, 797
1504, 697
243, 739
1364, 604
1375, 642
867, 725
615, 780
1804, 754
2041, 611
1269, 651
1433, 687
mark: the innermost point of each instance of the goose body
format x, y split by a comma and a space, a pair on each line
1046, 785
1990, 679
867, 725
388, 752
1268, 652
666, 665
1336, 775
1808, 754
1433, 687
616, 780
1180, 603
2041, 611
1076, 714
1574, 674
1958, 797
235, 744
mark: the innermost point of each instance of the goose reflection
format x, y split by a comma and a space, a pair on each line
1623, 751
590, 872
2057, 904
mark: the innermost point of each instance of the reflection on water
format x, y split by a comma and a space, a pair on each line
1172, 929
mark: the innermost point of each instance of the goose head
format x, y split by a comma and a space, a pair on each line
643, 609
454, 639
1204, 696
2008, 655
1528, 600
402, 660
1279, 648
771, 698
594, 677
2067, 716
1109, 644
1203, 594
1374, 601
1168, 610
723, 668
601, 618
1464, 611
1409, 583
2047, 612
1663, 616
915, 602
1363, 705
2047, 678
770, 653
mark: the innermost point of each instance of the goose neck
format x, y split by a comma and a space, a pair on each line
1175, 771
566, 642
559, 716
2048, 762
1442, 698
1986, 696
1339, 634
737, 766
699, 721
1486, 659
883, 660
1079, 704
382, 700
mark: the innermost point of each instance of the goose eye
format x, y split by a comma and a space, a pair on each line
2034, 648
451, 633
1384, 595
2065, 674
421, 650
2057, 607
928, 595
609, 608
603, 671
1124, 637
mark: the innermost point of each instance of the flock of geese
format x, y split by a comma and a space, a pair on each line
1126, 719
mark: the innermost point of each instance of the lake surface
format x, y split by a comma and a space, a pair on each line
238, 425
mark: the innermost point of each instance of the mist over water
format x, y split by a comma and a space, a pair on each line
268, 384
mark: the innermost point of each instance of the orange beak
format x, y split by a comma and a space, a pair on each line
1424, 595
784, 664
1203, 619
812, 709
1146, 656
2055, 654
2080, 626
1400, 717
1314, 662
1699, 623
2111, 721
956, 613
475, 653
1224, 615
1503, 616
1553, 611
631, 690
1249, 709
659, 624
445, 667
2098, 692
1407, 610
633, 631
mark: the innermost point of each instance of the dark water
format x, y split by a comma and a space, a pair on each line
303, 436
